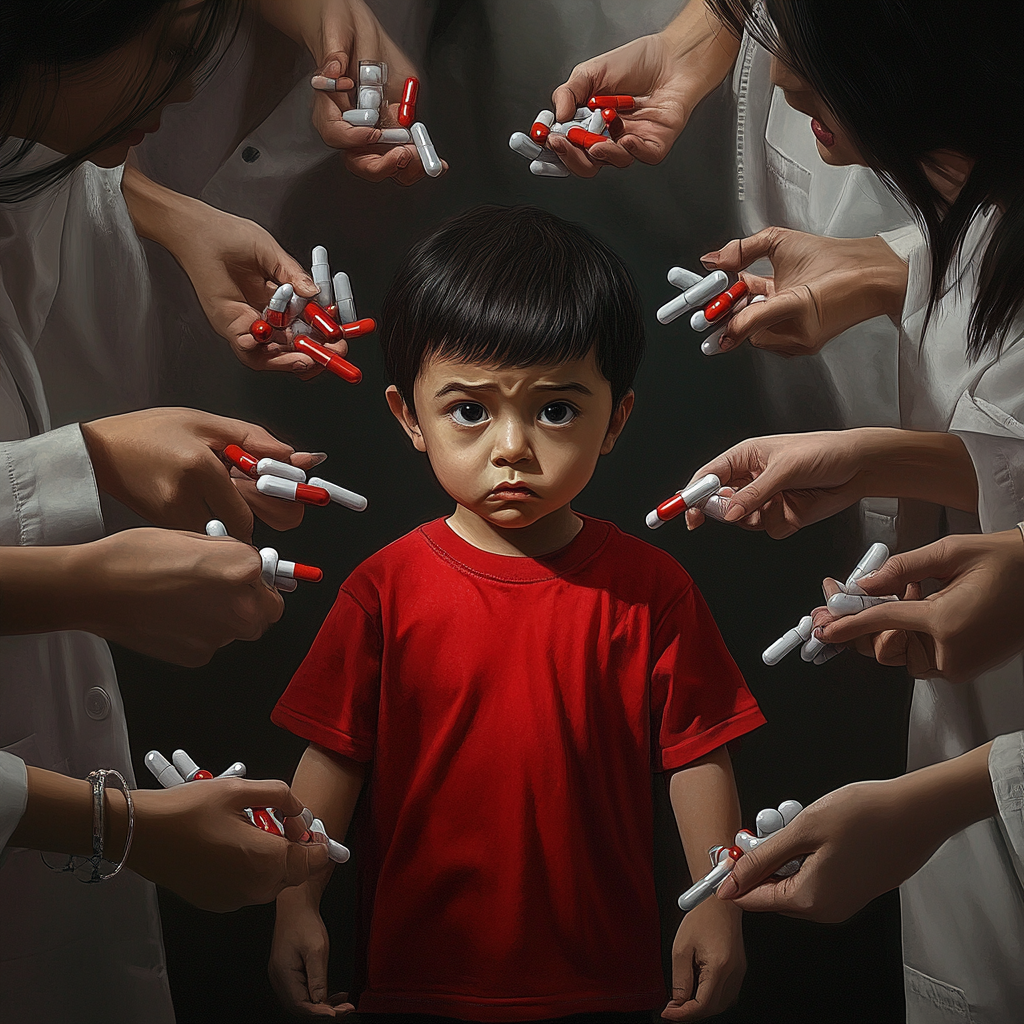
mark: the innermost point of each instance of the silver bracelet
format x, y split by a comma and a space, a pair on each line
75, 864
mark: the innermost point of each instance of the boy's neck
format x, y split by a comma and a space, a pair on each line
553, 532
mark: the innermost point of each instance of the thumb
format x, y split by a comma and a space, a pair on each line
741, 252
303, 860
757, 317
770, 482
253, 439
268, 793
574, 92
284, 269
761, 863
933, 561
912, 616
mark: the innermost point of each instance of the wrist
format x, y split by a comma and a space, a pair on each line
39, 588
886, 280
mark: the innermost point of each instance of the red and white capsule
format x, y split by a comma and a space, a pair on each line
581, 137
242, 460
261, 331
276, 313
328, 360
541, 127
291, 490
718, 307
297, 571
612, 102
407, 106
689, 497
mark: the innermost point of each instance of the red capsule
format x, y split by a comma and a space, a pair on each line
721, 304
612, 102
261, 331
334, 363
581, 137
318, 318
332, 311
609, 115
262, 819
540, 132
671, 508
242, 459
358, 328
201, 774
307, 572
407, 108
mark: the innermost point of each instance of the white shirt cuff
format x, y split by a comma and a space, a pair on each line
1006, 769
13, 795
903, 240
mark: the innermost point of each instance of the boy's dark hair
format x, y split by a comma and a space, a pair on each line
512, 286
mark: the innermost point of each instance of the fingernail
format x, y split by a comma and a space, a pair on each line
726, 343
317, 457
728, 888
710, 259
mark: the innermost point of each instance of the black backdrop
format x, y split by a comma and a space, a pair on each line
827, 726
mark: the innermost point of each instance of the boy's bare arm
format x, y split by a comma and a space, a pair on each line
329, 785
708, 962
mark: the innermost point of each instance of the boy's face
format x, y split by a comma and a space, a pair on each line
512, 445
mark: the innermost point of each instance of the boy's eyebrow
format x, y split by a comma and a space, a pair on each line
458, 385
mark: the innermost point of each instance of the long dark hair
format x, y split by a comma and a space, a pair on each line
61, 37
905, 78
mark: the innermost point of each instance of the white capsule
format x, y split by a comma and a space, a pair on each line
335, 851
707, 886
849, 604
715, 283
370, 97
715, 507
184, 765
768, 822
545, 117
162, 770
874, 558
275, 487
595, 122
285, 584
307, 817
280, 299
269, 558
271, 467
560, 129
370, 74
344, 299
320, 271
713, 853
215, 528
340, 495
394, 137
653, 520
549, 169
583, 114
700, 489
235, 771
789, 641
680, 277
428, 155
324, 84
295, 307
812, 648
299, 328
746, 841
829, 652
712, 344
789, 809
361, 117
521, 143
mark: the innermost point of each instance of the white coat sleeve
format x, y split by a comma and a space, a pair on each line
1006, 769
13, 795
48, 492
903, 240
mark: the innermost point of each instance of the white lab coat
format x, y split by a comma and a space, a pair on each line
963, 912
782, 181
74, 307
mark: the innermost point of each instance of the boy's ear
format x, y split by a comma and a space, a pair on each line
619, 416
406, 417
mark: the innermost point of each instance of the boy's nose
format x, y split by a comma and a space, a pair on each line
511, 445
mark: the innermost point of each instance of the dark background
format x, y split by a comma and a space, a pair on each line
487, 69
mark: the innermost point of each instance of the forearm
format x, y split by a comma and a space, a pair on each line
40, 588
703, 47
58, 815
706, 807
158, 213
924, 465
329, 786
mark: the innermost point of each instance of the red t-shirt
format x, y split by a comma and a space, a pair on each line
513, 710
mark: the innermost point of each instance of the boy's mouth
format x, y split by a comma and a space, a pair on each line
512, 490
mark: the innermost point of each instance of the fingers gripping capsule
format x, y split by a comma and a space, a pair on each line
689, 497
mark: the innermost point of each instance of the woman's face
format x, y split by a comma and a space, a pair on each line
834, 146
93, 99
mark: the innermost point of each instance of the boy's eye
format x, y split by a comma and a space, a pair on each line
557, 413
469, 414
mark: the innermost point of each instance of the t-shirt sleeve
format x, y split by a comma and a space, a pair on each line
699, 699
334, 696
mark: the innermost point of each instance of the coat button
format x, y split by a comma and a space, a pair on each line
250, 154
97, 703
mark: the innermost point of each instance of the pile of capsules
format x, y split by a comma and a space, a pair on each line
724, 858
332, 313
182, 769
719, 301
704, 494
848, 601
371, 105
590, 124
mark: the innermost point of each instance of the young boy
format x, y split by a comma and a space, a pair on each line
505, 680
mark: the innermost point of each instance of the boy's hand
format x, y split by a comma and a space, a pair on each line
298, 961
708, 963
